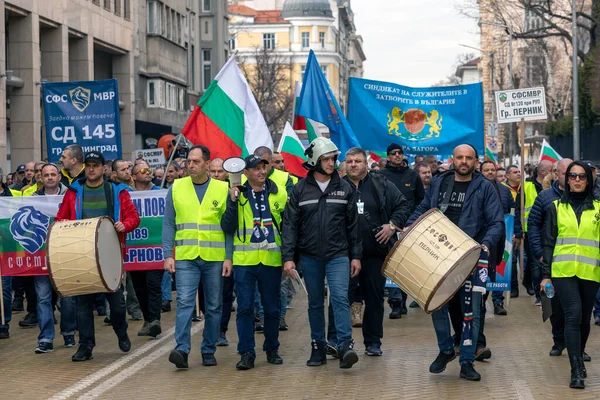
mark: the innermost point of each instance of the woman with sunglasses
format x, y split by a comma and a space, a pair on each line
571, 261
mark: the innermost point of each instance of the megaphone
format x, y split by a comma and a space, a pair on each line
235, 166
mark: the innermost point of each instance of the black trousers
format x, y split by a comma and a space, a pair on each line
85, 316
533, 271
577, 298
147, 286
481, 340
372, 285
557, 319
227, 302
514, 280
24, 287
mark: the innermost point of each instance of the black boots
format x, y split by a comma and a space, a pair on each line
317, 356
348, 356
577, 372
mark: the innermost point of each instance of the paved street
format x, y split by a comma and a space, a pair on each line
519, 368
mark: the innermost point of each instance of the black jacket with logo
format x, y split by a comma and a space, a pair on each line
407, 181
321, 225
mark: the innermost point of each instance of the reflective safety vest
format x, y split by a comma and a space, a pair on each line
530, 196
247, 253
294, 179
16, 193
577, 249
198, 230
31, 190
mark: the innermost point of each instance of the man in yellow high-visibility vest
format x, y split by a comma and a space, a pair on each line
194, 247
280, 177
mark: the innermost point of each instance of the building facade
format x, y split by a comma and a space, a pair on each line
180, 47
58, 41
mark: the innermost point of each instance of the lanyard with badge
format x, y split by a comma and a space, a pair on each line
360, 205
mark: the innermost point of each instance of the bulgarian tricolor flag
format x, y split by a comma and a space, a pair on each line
292, 150
548, 153
490, 156
377, 155
302, 123
227, 119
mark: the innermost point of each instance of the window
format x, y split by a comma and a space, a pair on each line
179, 28
533, 20
269, 41
305, 39
171, 103
154, 17
302, 71
193, 25
107, 4
206, 27
168, 14
181, 99
232, 44
322, 39
206, 69
96, 2
127, 9
193, 68
155, 93
324, 69
117, 7
205, 5
534, 70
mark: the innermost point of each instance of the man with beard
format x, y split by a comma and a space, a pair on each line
472, 203
122, 173
321, 222
424, 171
410, 185
72, 162
433, 164
500, 175
172, 174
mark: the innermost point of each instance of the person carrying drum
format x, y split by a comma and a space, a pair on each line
471, 202
571, 259
321, 222
92, 197
382, 210
194, 207
254, 218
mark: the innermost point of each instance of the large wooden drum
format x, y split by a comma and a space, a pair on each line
432, 261
84, 257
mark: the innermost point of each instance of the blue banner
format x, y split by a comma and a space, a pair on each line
83, 113
504, 270
424, 121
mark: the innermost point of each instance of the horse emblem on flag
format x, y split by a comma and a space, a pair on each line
414, 121
80, 98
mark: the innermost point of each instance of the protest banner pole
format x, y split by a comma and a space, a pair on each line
2, 299
521, 270
162, 184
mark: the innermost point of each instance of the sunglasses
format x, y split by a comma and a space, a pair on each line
395, 152
144, 171
278, 162
573, 176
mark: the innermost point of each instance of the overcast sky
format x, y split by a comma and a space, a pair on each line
412, 42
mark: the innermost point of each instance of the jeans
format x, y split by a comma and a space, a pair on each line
24, 287
166, 287
395, 297
227, 302
337, 271
268, 280
441, 323
498, 298
188, 274
7, 298
285, 291
258, 307
147, 285
577, 298
597, 305
85, 316
45, 314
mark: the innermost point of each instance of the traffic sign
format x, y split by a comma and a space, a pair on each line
492, 129
521, 104
493, 145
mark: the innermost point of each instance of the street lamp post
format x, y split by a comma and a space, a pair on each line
576, 144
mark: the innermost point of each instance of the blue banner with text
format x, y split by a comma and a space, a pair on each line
424, 121
83, 113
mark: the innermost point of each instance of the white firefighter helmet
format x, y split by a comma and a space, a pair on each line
319, 147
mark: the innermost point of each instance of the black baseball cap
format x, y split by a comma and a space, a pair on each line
21, 168
94, 156
588, 163
394, 146
252, 161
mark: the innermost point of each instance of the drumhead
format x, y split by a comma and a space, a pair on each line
454, 279
110, 257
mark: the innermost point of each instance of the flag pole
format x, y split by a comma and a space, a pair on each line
162, 184
522, 190
2, 299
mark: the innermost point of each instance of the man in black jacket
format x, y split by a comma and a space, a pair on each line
409, 183
321, 223
382, 210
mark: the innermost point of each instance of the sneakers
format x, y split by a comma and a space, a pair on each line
179, 358
69, 340
273, 357
209, 360
107, 321
331, 350
403, 309
348, 356
396, 313
166, 306
44, 347
356, 313
317, 355
4, 333
260, 325
29, 321
17, 305
246, 362
289, 305
374, 350
597, 320
439, 365
154, 328
83, 354
137, 317
468, 372
538, 302
282, 325
124, 344
222, 340
482, 353
499, 309
196, 318
557, 350
514, 294
414, 304
145, 331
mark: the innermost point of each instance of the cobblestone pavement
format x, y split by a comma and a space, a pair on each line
520, 367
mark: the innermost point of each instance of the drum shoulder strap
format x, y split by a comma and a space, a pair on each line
443, 206
110, 199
